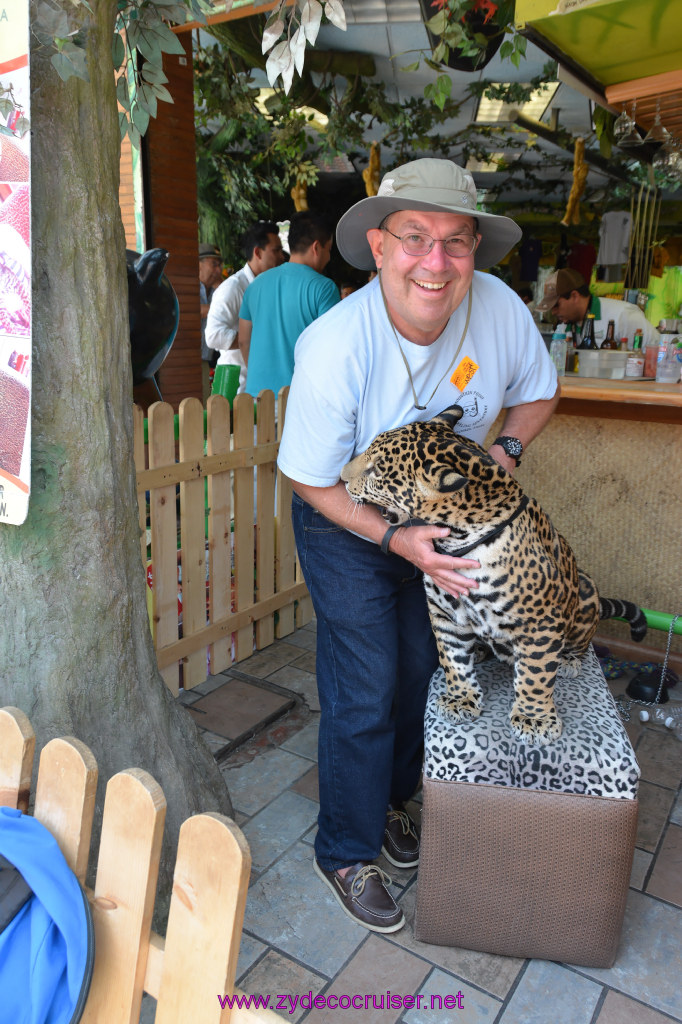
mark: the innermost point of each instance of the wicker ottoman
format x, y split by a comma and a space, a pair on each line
526, 851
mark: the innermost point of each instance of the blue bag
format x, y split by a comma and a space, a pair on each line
47, 947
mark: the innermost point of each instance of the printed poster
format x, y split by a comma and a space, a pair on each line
15, 264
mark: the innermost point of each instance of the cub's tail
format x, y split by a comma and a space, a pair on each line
611, 609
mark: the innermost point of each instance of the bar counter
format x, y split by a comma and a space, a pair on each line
643, 400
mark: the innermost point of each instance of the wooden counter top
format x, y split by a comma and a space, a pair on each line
620, 399
597, 389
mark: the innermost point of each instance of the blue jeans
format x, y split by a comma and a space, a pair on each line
375, 656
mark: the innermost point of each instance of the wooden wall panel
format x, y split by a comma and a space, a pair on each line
126, 194
171, 221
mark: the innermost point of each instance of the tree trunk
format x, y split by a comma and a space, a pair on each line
75, 650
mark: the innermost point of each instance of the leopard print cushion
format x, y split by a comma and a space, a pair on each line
592, 757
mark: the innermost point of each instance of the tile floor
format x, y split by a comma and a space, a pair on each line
297, 941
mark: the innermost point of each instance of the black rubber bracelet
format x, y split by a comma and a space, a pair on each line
385, 540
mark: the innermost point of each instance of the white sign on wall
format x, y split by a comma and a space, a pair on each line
15, 264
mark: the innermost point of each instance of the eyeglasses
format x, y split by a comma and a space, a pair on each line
417, 243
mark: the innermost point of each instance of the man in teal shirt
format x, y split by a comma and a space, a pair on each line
282, 302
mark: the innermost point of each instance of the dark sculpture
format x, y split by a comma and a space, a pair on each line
153, 311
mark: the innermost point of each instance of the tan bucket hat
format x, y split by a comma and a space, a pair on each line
437, 186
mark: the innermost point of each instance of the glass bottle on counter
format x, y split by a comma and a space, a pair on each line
570, 366
587, 338
650, 356
634, 366
610, 339
557, 351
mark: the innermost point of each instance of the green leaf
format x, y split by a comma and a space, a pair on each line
134, 135
438, 23
506, 49
118, 50
411, 67
162, 93
71, 62
152, 73
440, 54
444, 85
140, 118
146, 97
122, 92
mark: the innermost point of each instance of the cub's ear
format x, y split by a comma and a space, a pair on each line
451, 480
450, 416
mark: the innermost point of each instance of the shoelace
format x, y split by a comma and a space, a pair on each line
405, 822
357, 886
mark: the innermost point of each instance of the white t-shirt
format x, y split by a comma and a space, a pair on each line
627, 318
350, 381
222, 323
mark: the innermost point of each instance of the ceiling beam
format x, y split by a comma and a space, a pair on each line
564, 140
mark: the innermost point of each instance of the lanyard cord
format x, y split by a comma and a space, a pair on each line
407, 365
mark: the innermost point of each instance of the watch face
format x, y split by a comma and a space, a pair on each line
512, 446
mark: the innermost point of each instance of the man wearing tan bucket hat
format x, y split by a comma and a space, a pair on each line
426, 333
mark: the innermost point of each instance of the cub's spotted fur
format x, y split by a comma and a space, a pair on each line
533, 607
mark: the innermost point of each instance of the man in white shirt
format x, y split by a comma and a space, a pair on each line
430, 330
568, 298
262, 250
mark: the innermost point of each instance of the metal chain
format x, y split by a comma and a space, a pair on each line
624, 707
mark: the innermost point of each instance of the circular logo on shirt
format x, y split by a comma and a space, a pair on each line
475, 409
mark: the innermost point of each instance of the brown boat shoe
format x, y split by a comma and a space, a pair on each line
363, 895
401, 840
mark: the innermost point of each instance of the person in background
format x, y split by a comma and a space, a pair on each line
210, 276
568, 298
429, 332
526, 294
281, 303
262, 250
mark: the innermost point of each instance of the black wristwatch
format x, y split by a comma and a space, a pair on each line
512, 446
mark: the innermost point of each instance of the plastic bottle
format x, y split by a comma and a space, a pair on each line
666, 714
557, 352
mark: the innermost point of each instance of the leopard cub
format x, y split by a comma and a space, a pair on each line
533, 606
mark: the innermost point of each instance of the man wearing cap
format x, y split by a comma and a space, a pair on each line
568, 298
210, 276
426, 333
262, 249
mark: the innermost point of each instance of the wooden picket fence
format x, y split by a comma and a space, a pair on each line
221, 559
195, 964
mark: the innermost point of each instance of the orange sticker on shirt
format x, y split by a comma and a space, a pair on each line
461, 378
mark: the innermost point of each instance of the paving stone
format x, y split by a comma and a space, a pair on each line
377, 969
270, 659
549, 992
304, 742
641, 863
278, 976
255, 784
494, 974
654, 807
666, 877
290, 908
618, 1009
649, 962
309, 785
250, 950
659, 754
237, 708
300, 682
466, 1004
270, 832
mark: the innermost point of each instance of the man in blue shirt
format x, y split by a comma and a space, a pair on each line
282, 302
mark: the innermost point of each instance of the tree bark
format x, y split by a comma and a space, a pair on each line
75, 650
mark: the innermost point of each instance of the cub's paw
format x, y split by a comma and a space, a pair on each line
536, 729
572, 665
459, 709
